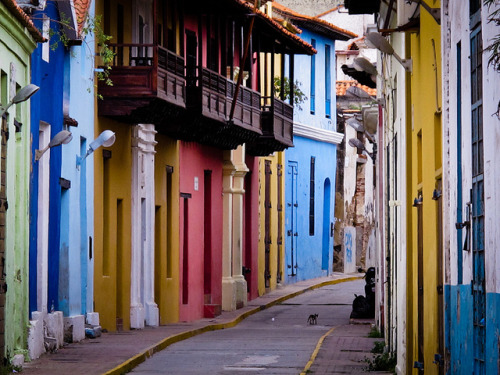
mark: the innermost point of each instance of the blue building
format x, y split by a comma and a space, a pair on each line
311, 164
61, 201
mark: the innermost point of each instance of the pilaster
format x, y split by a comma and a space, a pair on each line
228, 283
143, 309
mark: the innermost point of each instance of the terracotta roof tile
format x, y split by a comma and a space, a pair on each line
277, 26
24, 19
342, 86
342, 33
81, 10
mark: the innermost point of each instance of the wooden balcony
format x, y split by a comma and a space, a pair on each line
209, 99
148, 85
277, 128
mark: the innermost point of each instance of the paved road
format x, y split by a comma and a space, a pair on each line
277, 340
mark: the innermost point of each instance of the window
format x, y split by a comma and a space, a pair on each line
311, 197
328, 83
313, 79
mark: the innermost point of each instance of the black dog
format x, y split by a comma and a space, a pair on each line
313, 319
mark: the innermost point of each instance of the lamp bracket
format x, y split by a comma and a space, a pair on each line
434, 12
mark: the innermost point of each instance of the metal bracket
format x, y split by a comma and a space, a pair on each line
434, 12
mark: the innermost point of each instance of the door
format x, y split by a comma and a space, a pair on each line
291, 225
420, 284
279, 274
143, 32
325, 254
191, 56
267, 223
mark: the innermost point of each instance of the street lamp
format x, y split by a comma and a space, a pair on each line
22, 95
354, 142
106, 139
380, 43
61, 138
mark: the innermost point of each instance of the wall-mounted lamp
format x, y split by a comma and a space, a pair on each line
356, 125
61, 138
364, 65
380, 43
22, 95
106, 139
354, 142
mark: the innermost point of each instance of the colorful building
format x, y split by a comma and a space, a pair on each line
471, 133
310, 166
18, 37
61, 208
172, 244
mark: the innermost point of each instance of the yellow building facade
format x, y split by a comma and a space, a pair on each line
424, 172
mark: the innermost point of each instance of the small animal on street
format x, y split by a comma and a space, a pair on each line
313, 319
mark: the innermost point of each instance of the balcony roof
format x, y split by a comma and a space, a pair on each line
276, 35
315, 24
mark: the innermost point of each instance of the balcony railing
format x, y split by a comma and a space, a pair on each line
210, 95
277, 127
141, 74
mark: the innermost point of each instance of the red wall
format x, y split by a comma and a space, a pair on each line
194, 160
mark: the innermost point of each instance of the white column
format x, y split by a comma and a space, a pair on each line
143, 309
228, 285
238, 191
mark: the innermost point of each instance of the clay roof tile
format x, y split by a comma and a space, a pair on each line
24, 19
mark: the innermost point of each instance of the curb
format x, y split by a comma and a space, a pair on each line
136, 360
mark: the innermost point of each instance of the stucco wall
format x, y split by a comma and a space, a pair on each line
194, 160
16, 46
309, 247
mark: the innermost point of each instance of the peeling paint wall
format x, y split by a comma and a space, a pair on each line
15, 48
460, 336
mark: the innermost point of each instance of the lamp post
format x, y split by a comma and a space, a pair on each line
22, 95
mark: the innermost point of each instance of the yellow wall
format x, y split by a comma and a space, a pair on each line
276, 158
424, 169
112, 240
167, 230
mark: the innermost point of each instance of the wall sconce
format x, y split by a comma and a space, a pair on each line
106, 139
356, 125
364, 65
380, 43
22, 95
354, 142
61, 138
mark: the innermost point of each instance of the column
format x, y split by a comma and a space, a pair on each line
238, 191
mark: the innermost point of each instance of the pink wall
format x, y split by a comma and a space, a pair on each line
194, 160
251, 225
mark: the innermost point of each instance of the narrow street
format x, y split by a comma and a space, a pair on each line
278, 340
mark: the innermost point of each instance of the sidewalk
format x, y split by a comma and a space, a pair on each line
118, 352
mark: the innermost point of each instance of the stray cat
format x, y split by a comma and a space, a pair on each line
313, 319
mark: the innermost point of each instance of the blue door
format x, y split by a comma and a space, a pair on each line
325, 255
291, 225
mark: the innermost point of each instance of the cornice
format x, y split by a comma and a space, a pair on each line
317, 134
